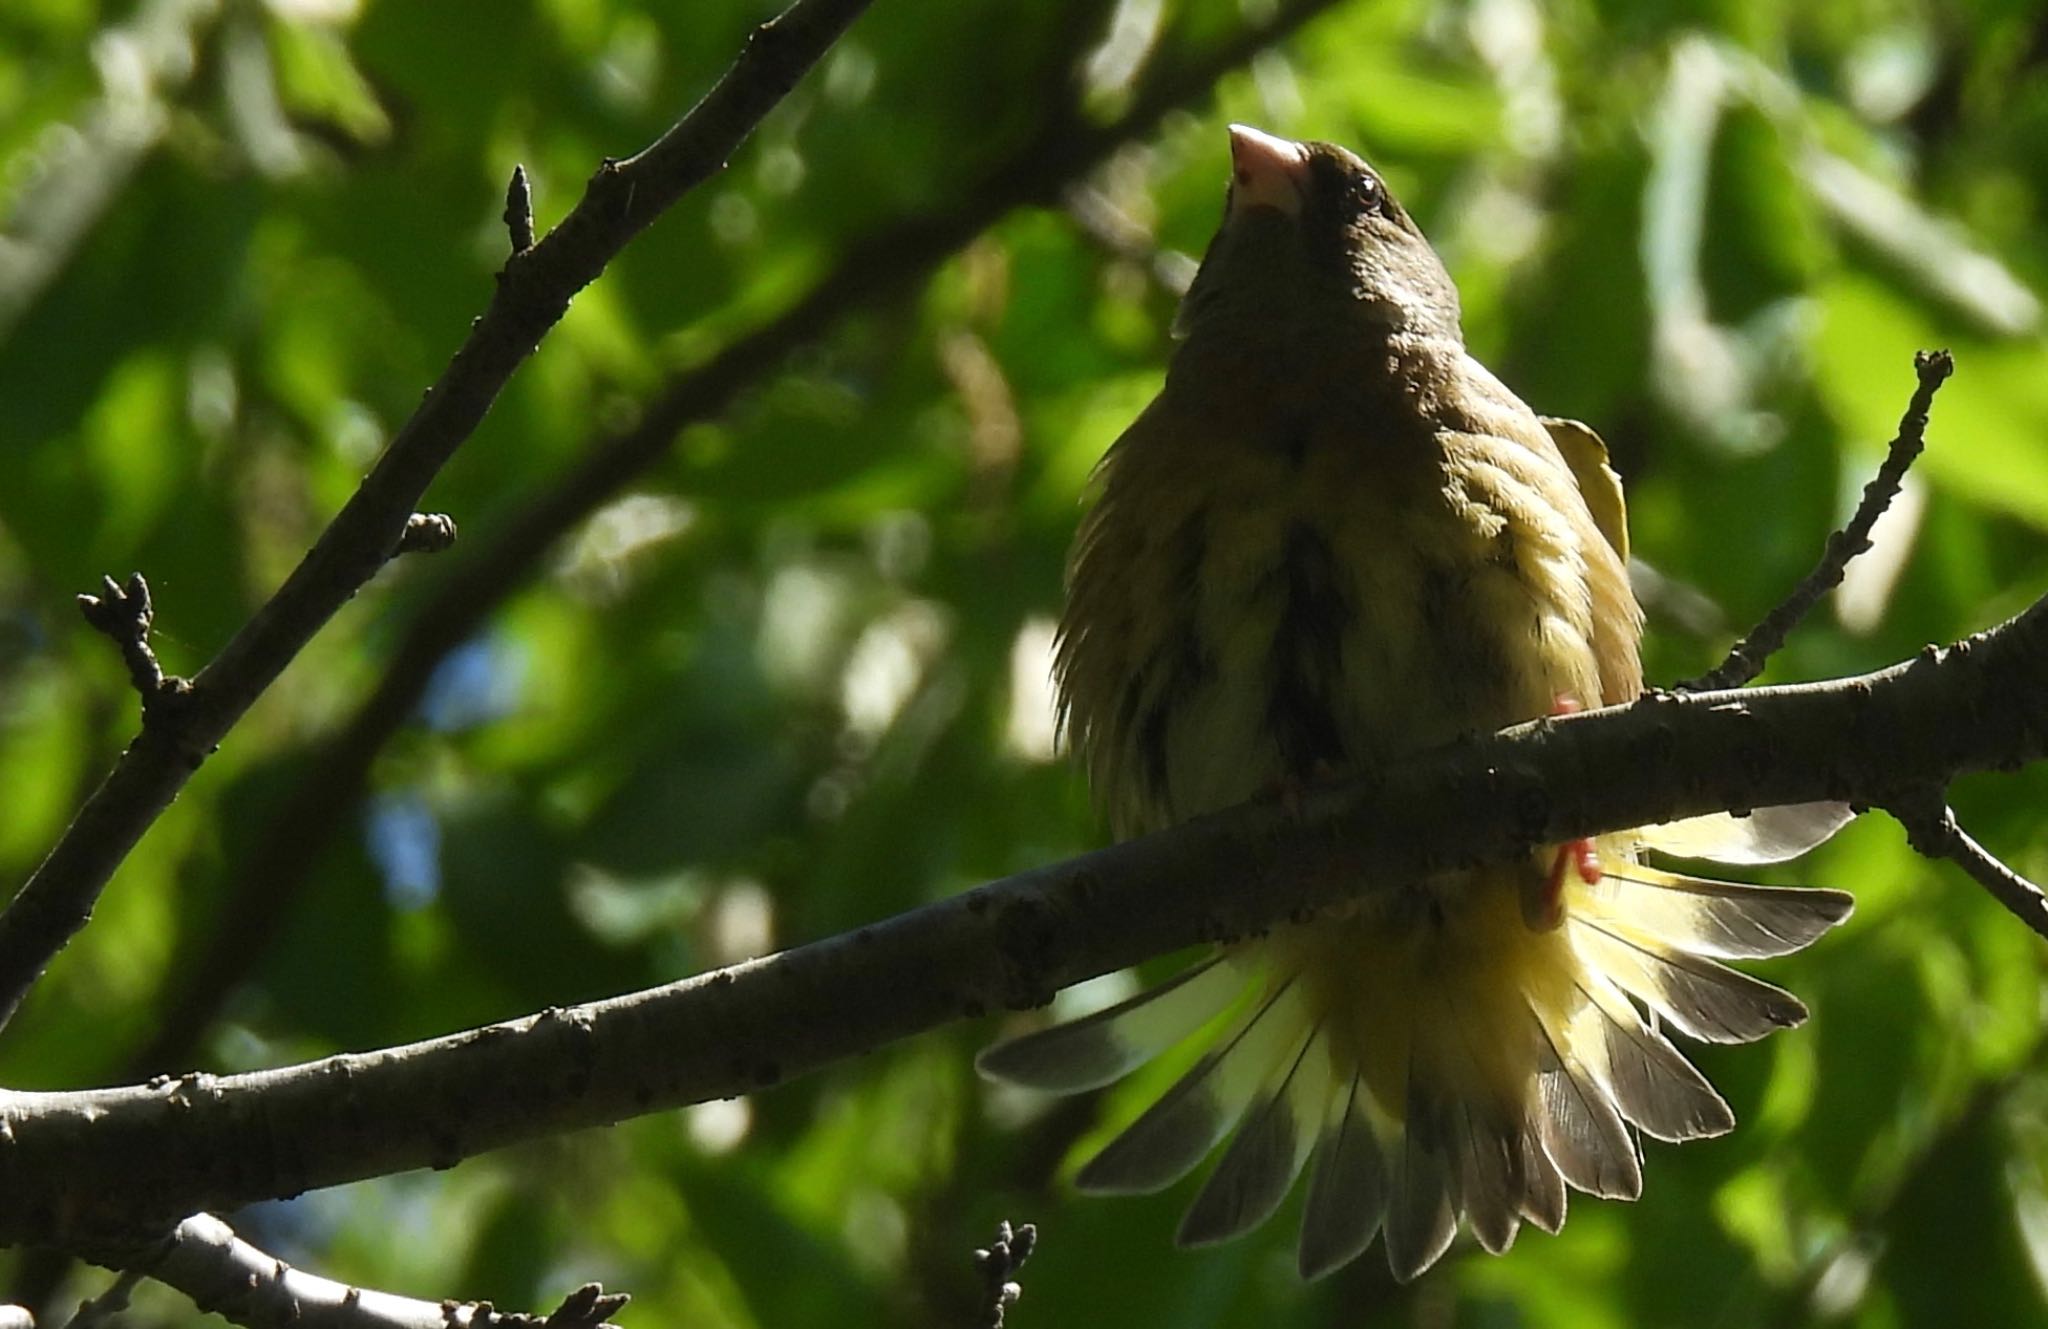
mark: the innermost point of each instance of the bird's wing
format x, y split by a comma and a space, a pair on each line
1598, 483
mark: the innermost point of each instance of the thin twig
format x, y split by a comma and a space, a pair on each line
588, 1307
1747, 658
1932, 829
96, 1311
76, 1163
204, 1259
125, 613
888, 262
532, 293
519, 211
998, 1266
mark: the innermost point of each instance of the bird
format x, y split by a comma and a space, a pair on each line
1334, 539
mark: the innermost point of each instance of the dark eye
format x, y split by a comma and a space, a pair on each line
1368, 194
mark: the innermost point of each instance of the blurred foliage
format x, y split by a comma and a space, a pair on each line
792, 682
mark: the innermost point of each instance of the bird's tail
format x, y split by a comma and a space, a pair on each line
1438, 1059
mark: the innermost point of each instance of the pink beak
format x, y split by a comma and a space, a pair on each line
1266, 172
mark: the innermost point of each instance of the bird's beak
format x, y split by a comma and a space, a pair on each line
1266, 172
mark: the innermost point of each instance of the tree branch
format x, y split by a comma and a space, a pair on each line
880, 267
533, 291
1932, 829
77, 1164
1747, 657
96, 1311
203, 1258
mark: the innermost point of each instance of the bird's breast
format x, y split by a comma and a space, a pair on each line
1243, 615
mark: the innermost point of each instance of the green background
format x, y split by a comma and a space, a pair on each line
786, 683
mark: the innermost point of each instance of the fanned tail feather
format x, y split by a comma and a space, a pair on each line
1702, 998
1543, 1199
1102, 1048
1427, 1073
1422, 1215
1490, 1178
1347, 1191
1655, 1089
1175, 1133
1491, 1175
1767, 835
1723, 919
1580, 1128
1267, 1154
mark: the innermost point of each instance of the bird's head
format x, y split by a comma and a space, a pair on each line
1311, 232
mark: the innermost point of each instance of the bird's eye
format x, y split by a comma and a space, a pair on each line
1368, 194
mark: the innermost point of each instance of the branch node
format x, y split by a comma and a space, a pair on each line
124, 612
477, 1315
1934, 367
588, 1307
426, 533
519, 211
997, 1264
1933, 831
1747, 657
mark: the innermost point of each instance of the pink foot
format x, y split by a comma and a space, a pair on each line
1291, 791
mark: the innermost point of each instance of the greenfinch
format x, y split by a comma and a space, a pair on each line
1333, 539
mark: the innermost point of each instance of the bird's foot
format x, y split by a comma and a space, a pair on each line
1291, 790
1543, 906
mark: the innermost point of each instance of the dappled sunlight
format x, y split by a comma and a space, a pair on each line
746, 637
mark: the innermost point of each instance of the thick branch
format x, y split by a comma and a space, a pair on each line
883, 266
73, 1164
533, 292
1747, 657
204, 1259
